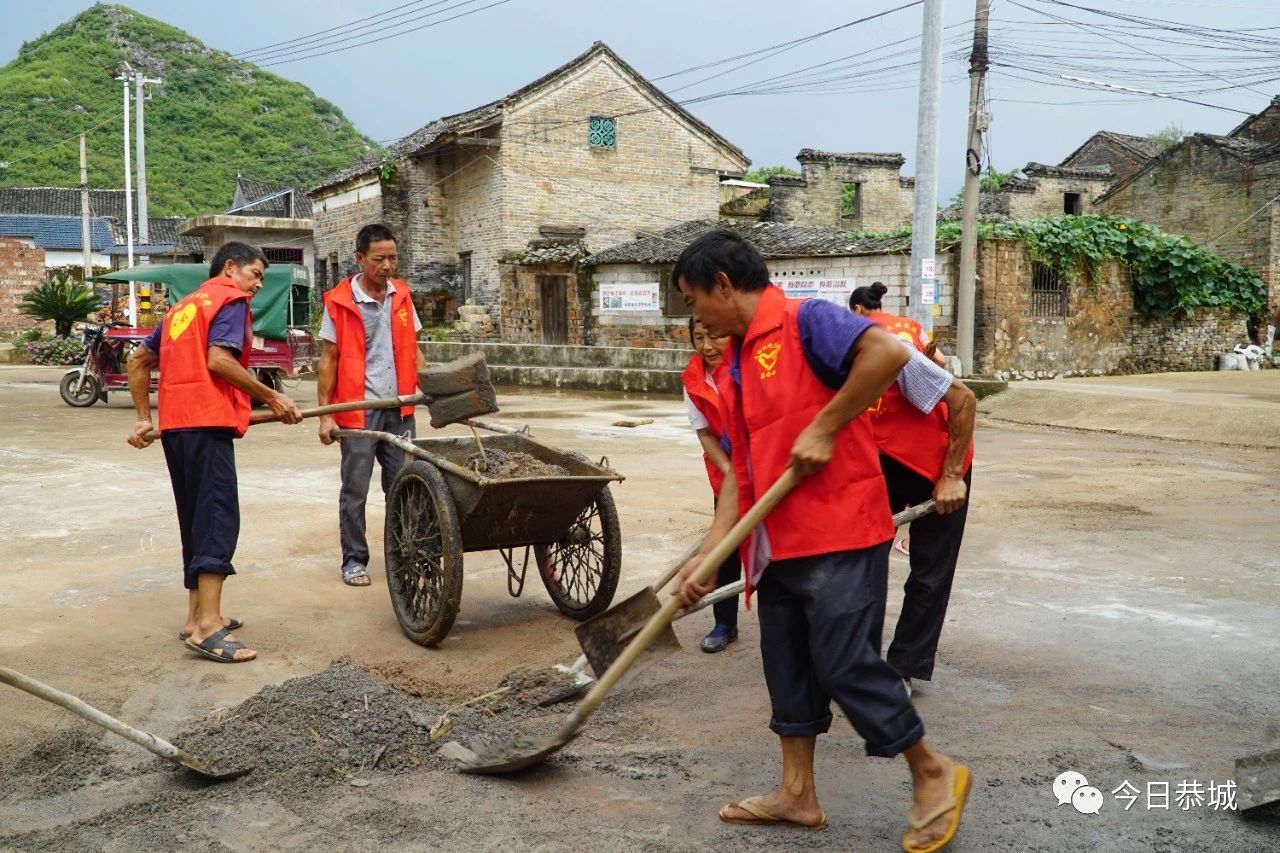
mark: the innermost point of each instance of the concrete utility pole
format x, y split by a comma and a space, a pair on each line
924, 223
144, 225
126, 75
978, 123
84, 211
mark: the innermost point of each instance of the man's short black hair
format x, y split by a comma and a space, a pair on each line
692, 319
373, 234
721, 251
241, 254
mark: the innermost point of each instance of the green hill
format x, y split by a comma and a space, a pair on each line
213, 115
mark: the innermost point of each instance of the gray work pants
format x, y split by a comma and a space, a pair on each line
357, 470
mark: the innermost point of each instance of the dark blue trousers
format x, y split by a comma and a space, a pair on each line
820, 624
202, 469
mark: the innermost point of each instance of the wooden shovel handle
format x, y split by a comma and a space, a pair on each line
80, 708
664, 617
331, 409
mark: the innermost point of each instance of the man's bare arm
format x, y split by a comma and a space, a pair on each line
711, 447
950, 490
141, 362
726, 516
227, 367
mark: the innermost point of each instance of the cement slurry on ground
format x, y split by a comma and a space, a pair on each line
1114, 615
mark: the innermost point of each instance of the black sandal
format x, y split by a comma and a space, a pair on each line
217, 643
233, 624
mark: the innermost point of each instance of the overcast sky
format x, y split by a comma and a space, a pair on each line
393, 87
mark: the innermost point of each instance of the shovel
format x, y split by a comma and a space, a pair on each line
513, 755
604, 637
146, 740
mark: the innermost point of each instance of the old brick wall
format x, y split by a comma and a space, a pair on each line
21, 269
1200, 190
669, 329
338, 216
1048, 197
661, 172
885, 201
1100, 151
520, 310
1099, 334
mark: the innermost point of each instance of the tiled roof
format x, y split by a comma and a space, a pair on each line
773, 239
492, 112
1244, 148
263, 198
1087, 173
553, 252
861, 158
104, 204
56, 232
991, 206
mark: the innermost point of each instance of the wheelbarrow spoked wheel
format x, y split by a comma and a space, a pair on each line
581, 570
423, 548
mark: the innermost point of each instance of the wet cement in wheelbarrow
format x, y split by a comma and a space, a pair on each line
340, 727
511, 465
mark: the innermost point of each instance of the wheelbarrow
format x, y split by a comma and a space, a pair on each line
439, 508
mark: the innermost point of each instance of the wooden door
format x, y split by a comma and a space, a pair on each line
555, 308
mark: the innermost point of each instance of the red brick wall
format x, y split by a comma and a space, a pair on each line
21, 269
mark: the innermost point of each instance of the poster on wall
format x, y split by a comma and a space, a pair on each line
835, 290
629, 297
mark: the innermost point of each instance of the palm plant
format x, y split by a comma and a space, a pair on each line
62, 300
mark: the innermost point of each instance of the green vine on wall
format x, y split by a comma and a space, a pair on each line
1171, 274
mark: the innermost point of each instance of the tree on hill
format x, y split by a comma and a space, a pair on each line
213, 115
762, 175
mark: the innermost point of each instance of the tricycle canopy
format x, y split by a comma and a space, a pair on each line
283, 301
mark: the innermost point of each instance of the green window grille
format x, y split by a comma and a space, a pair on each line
602, 132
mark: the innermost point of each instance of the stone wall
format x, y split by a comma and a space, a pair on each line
884, 198
338, 216
21, 270
670, 329
1102, 151
1200, 190
520, 310
1099, 333
1047, 199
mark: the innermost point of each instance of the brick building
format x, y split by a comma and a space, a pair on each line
585, 156
274, 217
1041, 191
21, 270
1122, 153
1221, 191
859, 191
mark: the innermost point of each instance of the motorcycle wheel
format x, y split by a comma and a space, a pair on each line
75, 394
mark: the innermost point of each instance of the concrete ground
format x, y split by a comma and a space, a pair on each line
1114, 615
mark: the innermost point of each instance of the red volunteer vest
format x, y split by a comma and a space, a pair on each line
706, 401
843, 507
902, 431
189, 395
341, 305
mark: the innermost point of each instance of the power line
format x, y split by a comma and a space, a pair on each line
269, 47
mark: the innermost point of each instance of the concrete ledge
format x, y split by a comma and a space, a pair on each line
588, 378
983, 388
633, 358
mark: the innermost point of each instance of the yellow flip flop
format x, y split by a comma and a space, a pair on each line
760, 817
960, 796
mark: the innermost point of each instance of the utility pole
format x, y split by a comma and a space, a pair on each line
84, 211
978, 122
924, 223
144, 226
126, 75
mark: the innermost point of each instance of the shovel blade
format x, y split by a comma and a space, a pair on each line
1258, 779
603, 637
500, 758
207, 772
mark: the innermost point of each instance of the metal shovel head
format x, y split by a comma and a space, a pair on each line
603, 637
205, 771
1258, 780
504, 756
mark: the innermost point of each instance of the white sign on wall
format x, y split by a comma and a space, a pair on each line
835, 290
629, 297
929, 291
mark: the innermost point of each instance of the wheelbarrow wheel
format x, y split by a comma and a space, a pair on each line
581, 570
423, 549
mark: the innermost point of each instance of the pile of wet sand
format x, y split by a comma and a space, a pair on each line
512, 464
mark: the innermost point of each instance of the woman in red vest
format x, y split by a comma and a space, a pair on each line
702, 404
926, 450
801, 374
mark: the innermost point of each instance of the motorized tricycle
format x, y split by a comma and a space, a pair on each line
283, 346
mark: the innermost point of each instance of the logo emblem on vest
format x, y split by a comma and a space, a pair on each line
403, 314
182, 318
767, 358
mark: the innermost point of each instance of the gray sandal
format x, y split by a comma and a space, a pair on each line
215, 643
354, 573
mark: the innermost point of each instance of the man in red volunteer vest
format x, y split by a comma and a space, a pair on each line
926, 450
702, 405
801, 375
370, 334
202, 348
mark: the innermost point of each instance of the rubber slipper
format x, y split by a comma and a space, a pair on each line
354, 574
217, 647
902, 547
960, 796
233, 624
760, 817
